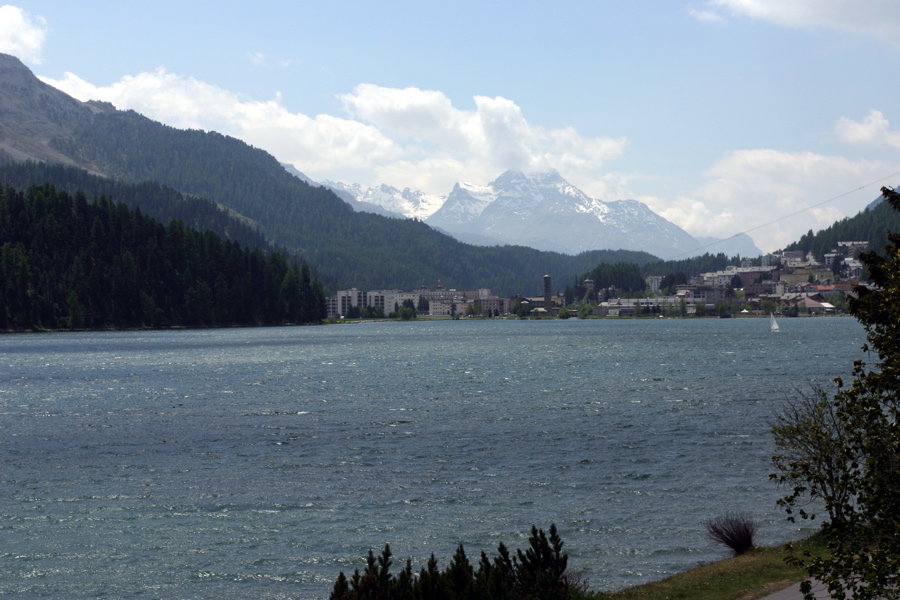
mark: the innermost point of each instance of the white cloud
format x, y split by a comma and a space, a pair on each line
761, 190
421, 117
320, 143
874, 130
404, 137
450, 143
880, 18
21, 35
709, 16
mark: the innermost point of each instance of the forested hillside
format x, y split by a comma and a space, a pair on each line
871, 225
161, 202
354, 249
66, 262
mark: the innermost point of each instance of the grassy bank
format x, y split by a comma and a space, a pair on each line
756, 574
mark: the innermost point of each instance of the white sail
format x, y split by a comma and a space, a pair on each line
773, 324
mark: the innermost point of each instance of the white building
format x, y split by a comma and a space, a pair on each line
391, 300
343, 300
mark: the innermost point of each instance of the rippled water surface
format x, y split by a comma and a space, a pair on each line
258, 463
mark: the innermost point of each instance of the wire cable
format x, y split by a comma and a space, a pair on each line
793, 214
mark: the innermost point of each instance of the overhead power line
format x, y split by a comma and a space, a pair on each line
793, 214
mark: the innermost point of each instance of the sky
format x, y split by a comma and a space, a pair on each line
765, 117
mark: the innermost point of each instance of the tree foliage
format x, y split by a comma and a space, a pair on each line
538, 573
66, 262
853, 466
810, 438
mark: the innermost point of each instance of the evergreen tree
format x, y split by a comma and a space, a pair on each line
537, 573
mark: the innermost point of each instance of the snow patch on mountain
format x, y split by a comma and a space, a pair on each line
546, 212
409, 203
465, 204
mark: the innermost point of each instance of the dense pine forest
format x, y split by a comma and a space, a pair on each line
66, 262
161, 202
155, 200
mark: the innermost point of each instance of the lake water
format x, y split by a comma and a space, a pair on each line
258, 463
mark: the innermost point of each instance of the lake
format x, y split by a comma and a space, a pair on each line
260, 462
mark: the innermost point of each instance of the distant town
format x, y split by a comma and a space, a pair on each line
788, 283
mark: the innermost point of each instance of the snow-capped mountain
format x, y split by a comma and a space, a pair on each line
546, 212
465, 203
542, 211
412, 204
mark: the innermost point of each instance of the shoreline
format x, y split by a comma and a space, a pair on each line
755, 575
424, 318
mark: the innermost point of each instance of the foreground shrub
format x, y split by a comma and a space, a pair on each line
735, 531
537, 573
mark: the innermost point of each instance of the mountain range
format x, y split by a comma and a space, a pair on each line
347, 247
543, 211
505, 235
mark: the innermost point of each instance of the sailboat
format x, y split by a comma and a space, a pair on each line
773, 324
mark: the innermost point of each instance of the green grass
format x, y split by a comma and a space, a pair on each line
760, 572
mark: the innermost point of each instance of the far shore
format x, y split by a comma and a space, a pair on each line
423, 318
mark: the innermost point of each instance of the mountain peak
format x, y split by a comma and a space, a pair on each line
388, 200
538, 177
543, 210
34, 113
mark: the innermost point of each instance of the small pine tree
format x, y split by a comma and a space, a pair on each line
538, 573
